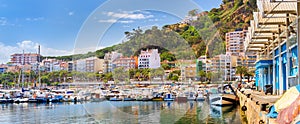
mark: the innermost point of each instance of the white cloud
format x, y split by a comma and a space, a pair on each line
108, 21
116, 21
3, 21
128, 21
28, 47
153, 20
128, 15
35, 19
71, 13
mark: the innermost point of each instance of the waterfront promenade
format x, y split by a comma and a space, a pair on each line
262, 108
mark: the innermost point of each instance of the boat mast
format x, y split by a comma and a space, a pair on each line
22, 69
39, 59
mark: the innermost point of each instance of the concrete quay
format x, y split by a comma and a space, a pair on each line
257, 105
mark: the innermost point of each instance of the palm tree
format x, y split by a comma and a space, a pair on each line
202, 74
209, 75
62, 75
241, 70
249, 73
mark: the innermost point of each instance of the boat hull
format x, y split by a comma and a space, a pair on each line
168, 99
128, 99
157, 99
223, 99
115, 99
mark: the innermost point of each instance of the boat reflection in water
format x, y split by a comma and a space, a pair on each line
166, 112
119, 112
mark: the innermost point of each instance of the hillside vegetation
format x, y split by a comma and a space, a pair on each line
201, 36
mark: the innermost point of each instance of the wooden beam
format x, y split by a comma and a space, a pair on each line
259, 42
261, 37
281, 12
265, 31
271, 23
256, 46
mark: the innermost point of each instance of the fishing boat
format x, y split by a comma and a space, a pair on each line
128, 98
191, 96
97, 97
223, 96
180, 97
169, 97
157, 96
200, 97
143, 98
115, 98
157, 99
21, 100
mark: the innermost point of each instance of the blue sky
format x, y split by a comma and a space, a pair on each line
59, 26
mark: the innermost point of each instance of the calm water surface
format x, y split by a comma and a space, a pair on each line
119, 112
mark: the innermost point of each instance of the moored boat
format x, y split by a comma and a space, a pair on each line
169, 97
223, 96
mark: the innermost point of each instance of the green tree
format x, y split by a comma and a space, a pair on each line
241, 70
108, 76
166, 66
120, 74
159, 72
175, 78
202, 74
209, 76
45, 79
62, 75
91, 76
249, 74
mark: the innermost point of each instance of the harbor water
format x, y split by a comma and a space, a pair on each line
120, 112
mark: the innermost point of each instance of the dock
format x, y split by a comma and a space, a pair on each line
257, 104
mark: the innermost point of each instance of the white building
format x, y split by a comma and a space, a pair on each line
225, 65
203, 63
149, 59
80, 65
235, 42
109, 59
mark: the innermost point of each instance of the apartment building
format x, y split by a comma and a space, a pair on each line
149, 59
26, 58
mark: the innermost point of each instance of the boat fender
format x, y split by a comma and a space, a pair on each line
261, 122
244, 108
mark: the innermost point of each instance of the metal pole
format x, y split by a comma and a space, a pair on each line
22, 69
298, 38
39, 70
287, 52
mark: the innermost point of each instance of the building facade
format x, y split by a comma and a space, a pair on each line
26, 58
149, 59
109, 58
235, 42
125, 62
225, 66
94, 64
273, 38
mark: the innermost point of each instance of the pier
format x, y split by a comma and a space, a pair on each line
256, 104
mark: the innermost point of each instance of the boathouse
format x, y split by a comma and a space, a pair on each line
274, 35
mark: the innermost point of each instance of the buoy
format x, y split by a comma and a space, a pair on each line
261, 122
244, 108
